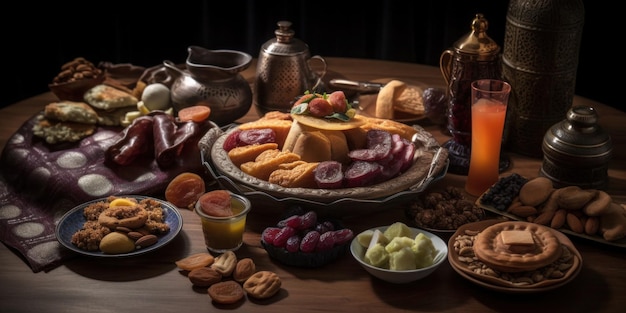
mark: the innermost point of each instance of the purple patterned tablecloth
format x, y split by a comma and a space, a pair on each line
40, 182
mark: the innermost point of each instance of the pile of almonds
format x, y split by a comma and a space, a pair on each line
77, 69
583, 211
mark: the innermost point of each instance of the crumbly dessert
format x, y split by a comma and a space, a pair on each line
90, 235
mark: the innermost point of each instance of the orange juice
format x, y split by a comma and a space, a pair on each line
225, 233
487, 126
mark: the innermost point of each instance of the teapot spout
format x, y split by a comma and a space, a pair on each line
202, 62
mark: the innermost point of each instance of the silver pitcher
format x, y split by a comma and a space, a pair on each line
212, 78
284, 71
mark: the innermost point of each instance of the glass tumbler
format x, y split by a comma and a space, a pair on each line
223, 234
490, 98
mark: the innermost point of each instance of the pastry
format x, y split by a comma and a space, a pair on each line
56, 132
517, 246
410, 101
71, 111
105, 97
386, 97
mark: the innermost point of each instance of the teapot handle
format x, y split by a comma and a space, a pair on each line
318, 75
445, 65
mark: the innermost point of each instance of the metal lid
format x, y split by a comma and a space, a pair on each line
285, 43
477, 42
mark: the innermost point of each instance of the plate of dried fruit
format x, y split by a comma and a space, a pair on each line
430, 164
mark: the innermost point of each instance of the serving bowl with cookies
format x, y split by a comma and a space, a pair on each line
325, 159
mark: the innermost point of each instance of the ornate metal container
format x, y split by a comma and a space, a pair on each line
474, 56
576, 151
283, 71
539, 60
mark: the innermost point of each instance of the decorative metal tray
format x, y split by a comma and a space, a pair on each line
431, 164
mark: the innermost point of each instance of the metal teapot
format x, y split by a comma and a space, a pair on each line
474, 56
212, 78
284, 71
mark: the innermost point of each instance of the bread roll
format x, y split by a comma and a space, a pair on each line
386, 97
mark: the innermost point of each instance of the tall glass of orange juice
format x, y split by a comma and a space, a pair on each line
490, 98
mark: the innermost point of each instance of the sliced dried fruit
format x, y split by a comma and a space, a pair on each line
184, 190
196, 113
194, 261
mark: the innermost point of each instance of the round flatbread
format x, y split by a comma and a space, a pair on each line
329, 124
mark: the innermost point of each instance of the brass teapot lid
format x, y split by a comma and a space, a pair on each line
477, 42
285, 43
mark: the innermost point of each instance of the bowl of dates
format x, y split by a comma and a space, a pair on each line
301, 240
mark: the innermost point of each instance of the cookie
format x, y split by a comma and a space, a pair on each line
517, 246
262, 285
226, 292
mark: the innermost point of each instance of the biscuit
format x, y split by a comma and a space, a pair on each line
492, 248
226, 292
262, 285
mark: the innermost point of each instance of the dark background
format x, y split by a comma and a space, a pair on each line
39, 38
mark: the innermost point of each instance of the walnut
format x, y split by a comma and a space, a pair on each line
444, 210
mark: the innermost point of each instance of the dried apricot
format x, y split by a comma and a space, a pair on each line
196, 113
184, 190
194, 261
216, 203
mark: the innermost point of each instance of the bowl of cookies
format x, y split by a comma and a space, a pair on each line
324, 162
398, 253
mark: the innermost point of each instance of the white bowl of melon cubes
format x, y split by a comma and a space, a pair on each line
398, 253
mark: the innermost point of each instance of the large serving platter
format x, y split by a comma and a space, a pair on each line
73, 220
336, 202
499, 285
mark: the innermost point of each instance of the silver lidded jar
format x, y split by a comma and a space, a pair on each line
576, 151
284, 71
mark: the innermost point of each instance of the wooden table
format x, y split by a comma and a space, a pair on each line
152, 283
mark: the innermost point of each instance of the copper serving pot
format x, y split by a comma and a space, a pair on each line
284, 71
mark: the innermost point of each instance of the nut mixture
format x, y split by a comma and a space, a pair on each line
77, 69
444, 210
463, 246
229, 278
